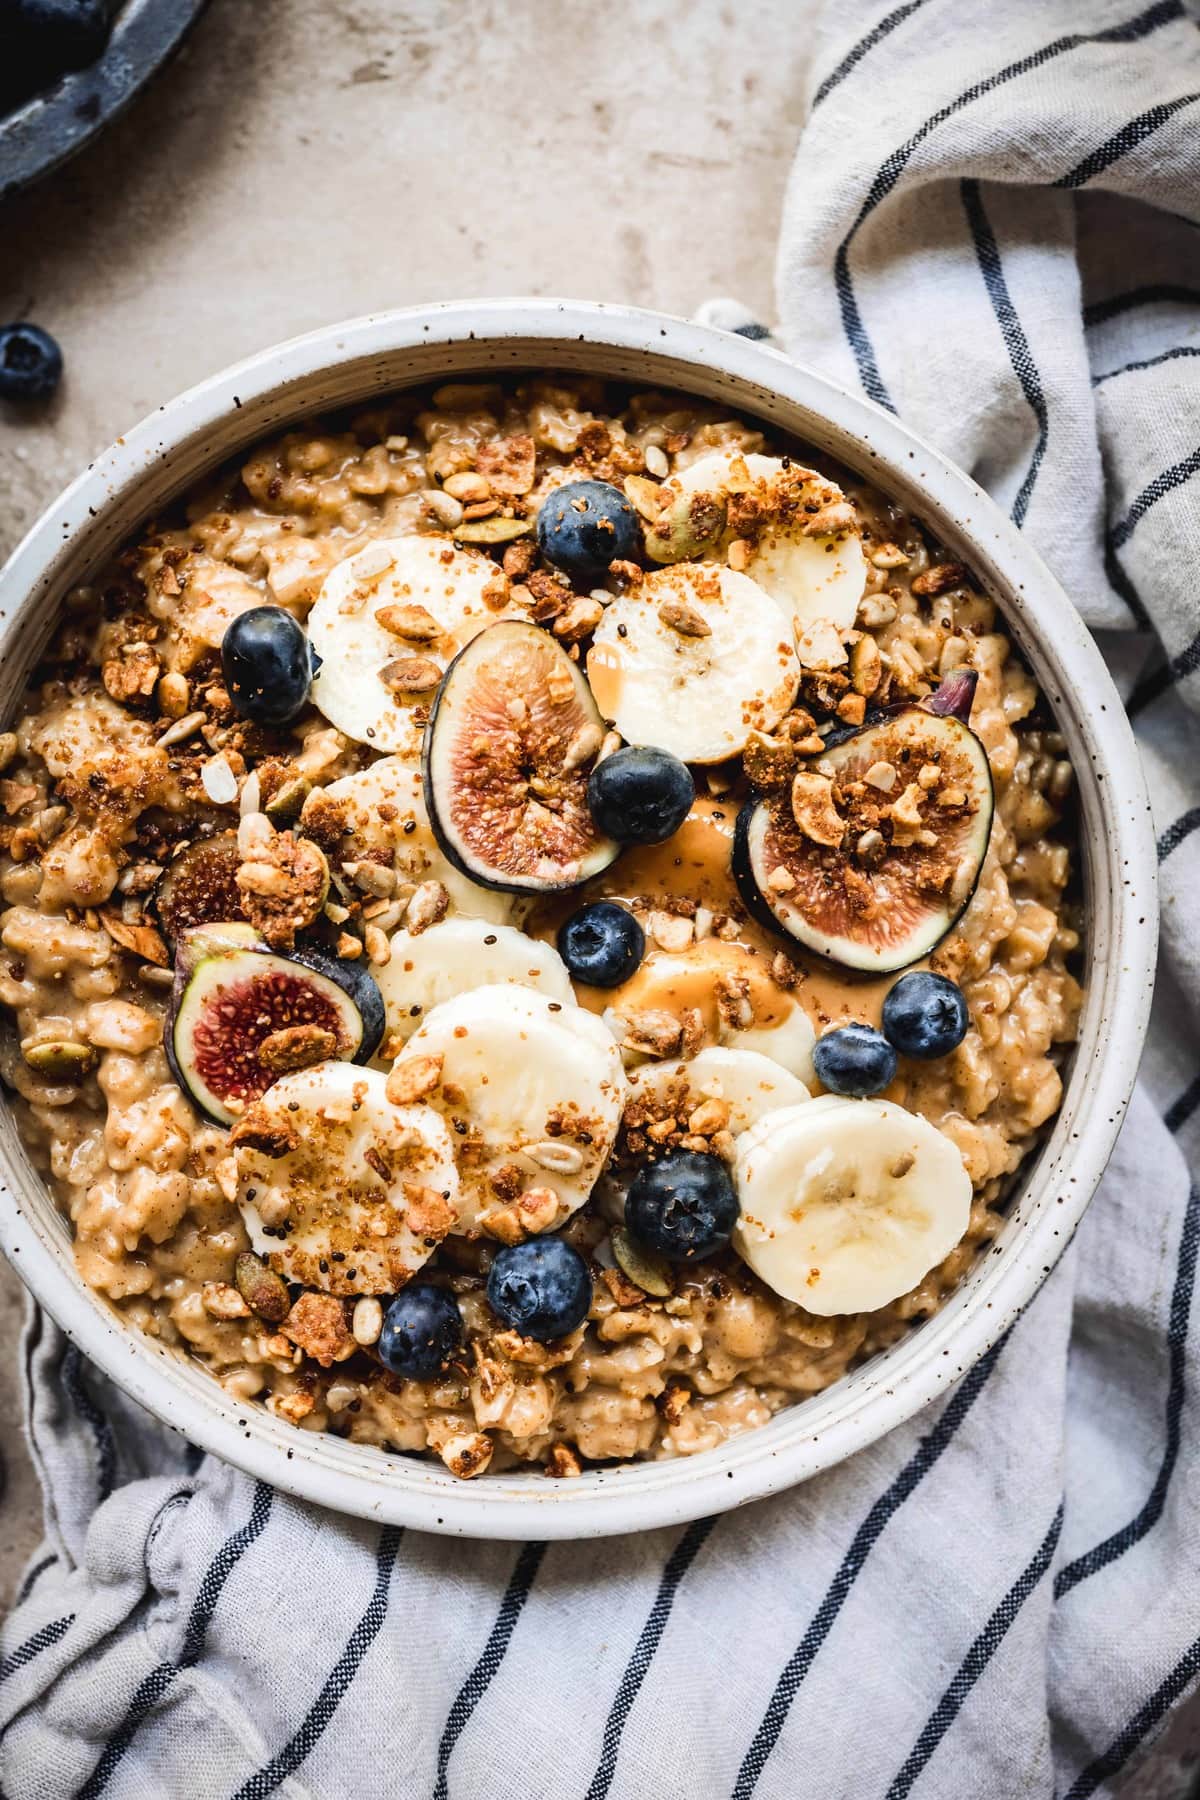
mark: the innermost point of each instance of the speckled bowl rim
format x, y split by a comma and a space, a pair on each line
384, 351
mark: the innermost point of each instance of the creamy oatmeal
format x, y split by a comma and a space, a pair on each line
584, 1053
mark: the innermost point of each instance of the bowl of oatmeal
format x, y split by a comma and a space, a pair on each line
565, 885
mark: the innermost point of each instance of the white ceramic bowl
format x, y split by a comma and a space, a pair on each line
370, 356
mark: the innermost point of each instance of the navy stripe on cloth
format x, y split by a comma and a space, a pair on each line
1102, 1554
1178, 833
1164, 12
1113, 1760
1161, 293
861, 1545
302, 1743
72, 1376
152, 1688
1178, 1114
975, 1662
678, 1564
1158, 489
864, 45
33, 1646
1149, 362
39, 1568
1122, 142
1015, 342
1179, 667
476, 1685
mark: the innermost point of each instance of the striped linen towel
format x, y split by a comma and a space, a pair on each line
991, 228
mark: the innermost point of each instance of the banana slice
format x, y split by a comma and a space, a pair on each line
460, 954
531, 1086
746, 1086
847, 1204
711, 977
694, 660
431, 599
339, 1189
385, 810
810, 577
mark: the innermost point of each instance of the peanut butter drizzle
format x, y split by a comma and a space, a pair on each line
694, 865
604, 675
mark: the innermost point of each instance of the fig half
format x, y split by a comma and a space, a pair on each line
512, 739
874, 852
199, 886
242, 1016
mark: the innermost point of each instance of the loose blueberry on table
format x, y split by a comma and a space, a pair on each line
31, 362
854, 1060
541, 1288
585, 526
422, 1329
601, 944
685, 1206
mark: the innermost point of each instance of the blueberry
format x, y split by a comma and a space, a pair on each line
925, 1015
601, 944
640, 796
855, 1060
684, 1206
422, 1329
541, 1288
267, 665
584, 526
31, 363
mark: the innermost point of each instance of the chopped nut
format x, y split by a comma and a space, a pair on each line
410, 675
888, 556
413, 1078
673, 1401
866, 665
905, 814
819, 645
813, 809
173, 695
133, 675
781, 880
292, 1407
510, 464
413, 622
833, 520
784, 972
222, 1301
733, 1001
378, 945
218, 780
466, 1454
141, 938
182, 730
852, 708
940, 577
296, 1047
317, 1323
738, 554
284, 886
348, 947
538, 1209
669, 932
428, 904
578, 620
468, 487
952, 796
875, 610
428, 1213
881, 775
684, 619
367, 1320
561, 1461
651, 1032
711, 1115
870, 849
504, 1224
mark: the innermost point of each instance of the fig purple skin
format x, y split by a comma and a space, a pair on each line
343, 999
955, 696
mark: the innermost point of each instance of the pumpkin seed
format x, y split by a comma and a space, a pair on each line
263, 1291
63, 1058
686, 527
496, 530
646, 1270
